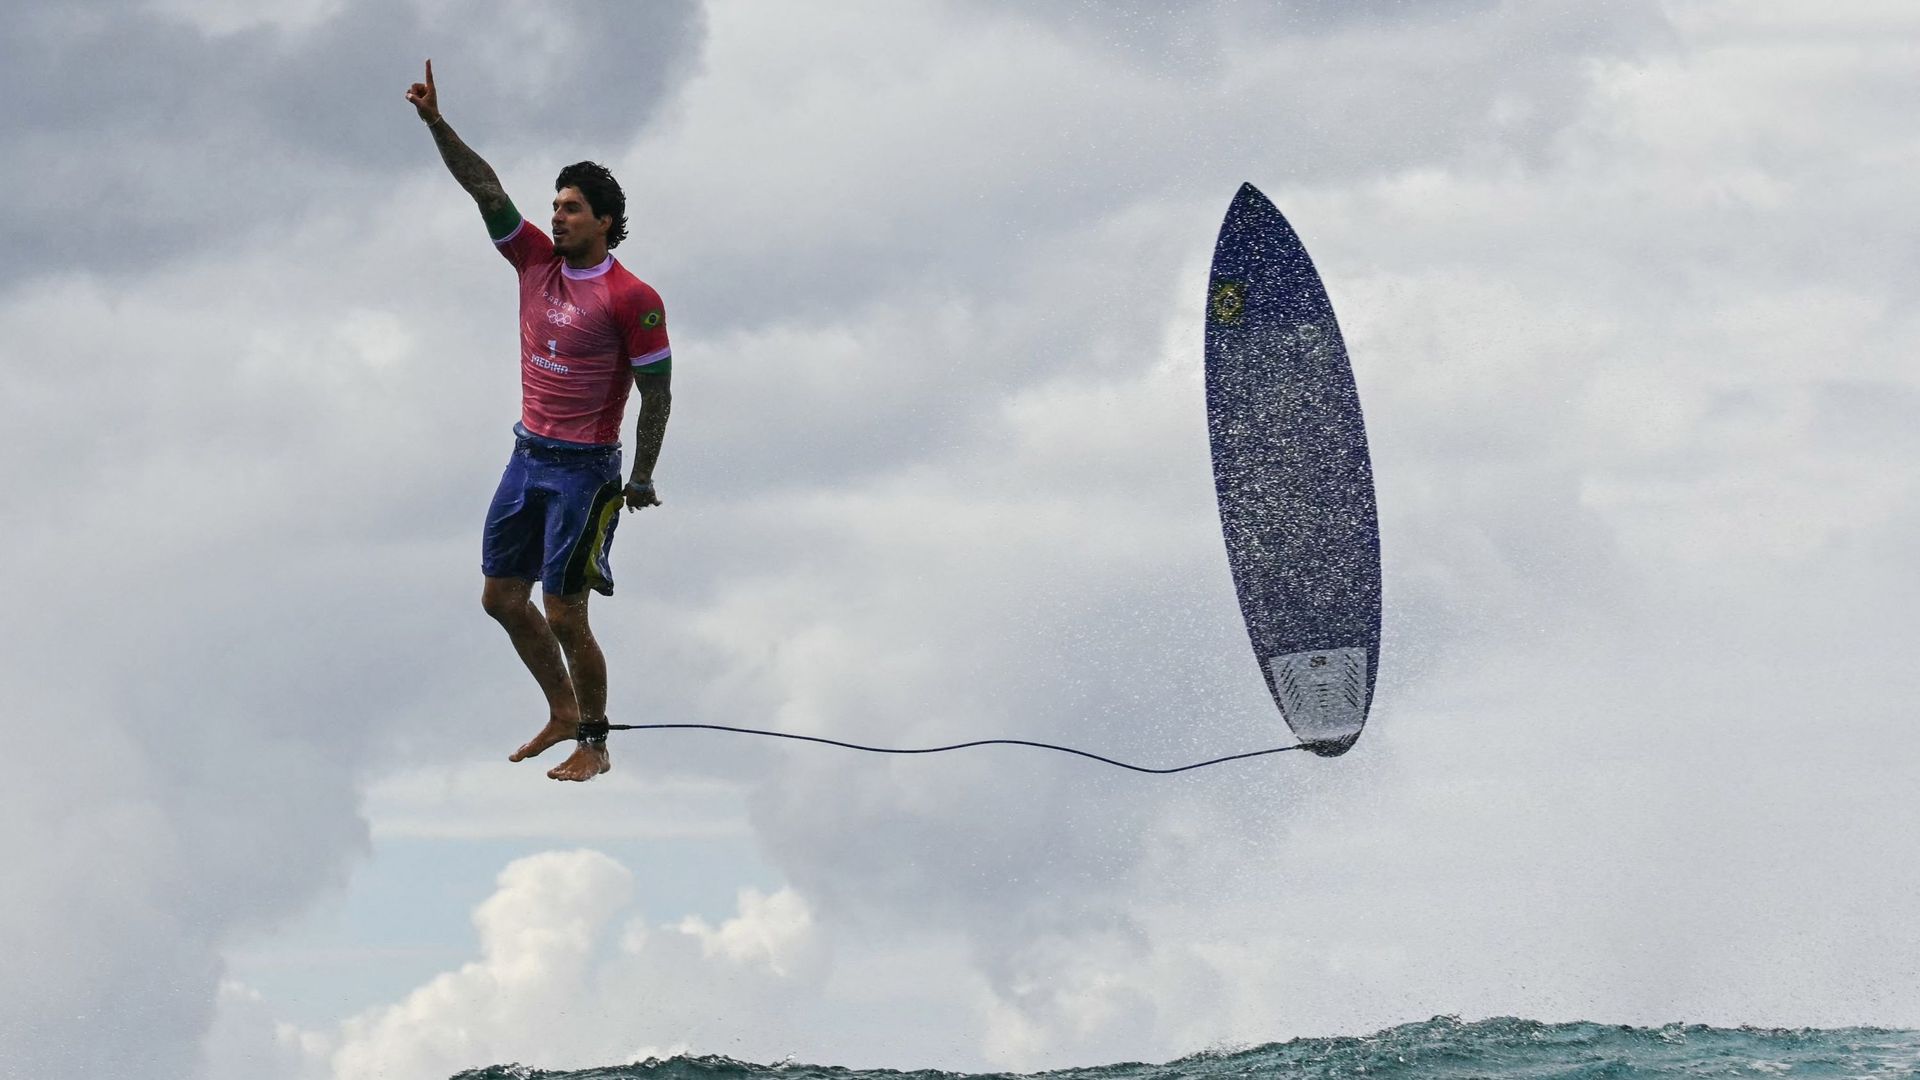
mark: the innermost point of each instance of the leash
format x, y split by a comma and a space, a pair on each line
597, 733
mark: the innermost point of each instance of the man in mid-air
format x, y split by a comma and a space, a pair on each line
585, 323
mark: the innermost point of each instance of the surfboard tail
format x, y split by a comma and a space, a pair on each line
1322, 693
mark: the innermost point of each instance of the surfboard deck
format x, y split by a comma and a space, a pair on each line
1293, 476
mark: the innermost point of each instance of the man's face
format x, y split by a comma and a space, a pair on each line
574, 226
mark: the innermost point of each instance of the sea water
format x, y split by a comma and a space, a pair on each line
1443, 1048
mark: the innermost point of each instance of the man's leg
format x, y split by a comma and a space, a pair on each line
567, 615
510, 602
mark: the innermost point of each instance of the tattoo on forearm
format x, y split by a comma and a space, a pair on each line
654, 409
474, 174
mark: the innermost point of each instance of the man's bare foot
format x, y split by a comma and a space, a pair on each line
585, 763
559, 729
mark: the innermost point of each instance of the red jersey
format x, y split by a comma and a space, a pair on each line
582, 332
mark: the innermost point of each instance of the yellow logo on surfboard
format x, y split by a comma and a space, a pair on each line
1228, 303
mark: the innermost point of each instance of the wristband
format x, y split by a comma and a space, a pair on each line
642, 486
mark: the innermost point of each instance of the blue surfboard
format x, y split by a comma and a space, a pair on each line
1293, 476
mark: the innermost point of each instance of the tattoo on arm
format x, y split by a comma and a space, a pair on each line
656, 403
473, 172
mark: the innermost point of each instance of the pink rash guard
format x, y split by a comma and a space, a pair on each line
582, 334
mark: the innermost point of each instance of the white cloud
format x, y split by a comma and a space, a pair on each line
247, 1042
1629, 290
540, 939
775, 931
1598, 373
234, 573
569, 976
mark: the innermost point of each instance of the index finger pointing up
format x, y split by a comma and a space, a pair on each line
429, 74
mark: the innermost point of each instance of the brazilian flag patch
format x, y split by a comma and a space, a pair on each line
650, 320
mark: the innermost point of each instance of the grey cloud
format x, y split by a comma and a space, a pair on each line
1195, 39
1072, 658
1543, 613
220, 719
216, 635
140, 136
1880, 417
936, 200
268, 560
1155, 35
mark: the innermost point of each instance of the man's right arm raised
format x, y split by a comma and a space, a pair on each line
474, 174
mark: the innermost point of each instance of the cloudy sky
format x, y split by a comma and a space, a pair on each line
1630, 289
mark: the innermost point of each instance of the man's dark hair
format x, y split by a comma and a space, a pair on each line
602, 192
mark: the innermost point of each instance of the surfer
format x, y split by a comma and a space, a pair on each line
584, 323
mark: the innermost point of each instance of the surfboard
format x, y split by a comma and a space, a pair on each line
1293, 476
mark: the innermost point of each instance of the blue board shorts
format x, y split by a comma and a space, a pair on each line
553, 517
